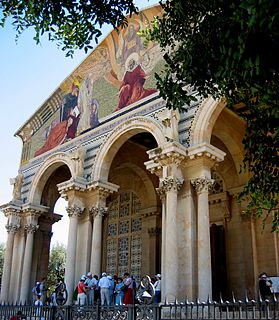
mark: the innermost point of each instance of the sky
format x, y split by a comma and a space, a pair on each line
29, 75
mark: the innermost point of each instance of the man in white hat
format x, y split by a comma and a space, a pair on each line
90, 284
104, 285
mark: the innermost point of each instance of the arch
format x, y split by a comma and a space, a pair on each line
49, 166
204, 121
117, 138
147, 198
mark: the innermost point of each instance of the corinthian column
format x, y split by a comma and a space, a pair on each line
70, 269
171, 186
202, 186
96, 250
6, 276
27, 263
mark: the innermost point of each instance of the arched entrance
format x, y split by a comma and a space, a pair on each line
42, 237
133, 212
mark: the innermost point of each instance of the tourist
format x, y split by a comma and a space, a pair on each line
128, 289
43, 290
119, 293
97, 295
90, 284
157, 287
265, 285
111, 289
18, 316
81, 288
38, 303
104, 285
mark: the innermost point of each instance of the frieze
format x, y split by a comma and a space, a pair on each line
101, 132
74, 210
202, 184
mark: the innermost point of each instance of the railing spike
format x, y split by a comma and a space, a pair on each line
221, 298
246, 296
233, 297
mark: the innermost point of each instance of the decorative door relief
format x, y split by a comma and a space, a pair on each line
123, 238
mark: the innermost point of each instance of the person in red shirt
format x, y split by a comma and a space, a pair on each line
81, 288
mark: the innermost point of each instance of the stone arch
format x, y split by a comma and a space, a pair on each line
117, 138
204, 121
49, 166
148, 199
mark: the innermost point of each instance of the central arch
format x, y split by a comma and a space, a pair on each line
118, 137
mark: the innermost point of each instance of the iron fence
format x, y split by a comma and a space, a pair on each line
224, 310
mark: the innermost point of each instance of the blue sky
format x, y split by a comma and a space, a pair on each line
29, 74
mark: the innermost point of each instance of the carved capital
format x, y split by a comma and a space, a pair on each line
98, 211
12, 228
162, 193
74, 211
102, 189
171, 184
31, 228
202, 184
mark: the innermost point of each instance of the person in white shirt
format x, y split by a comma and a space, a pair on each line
157, 286
104, 285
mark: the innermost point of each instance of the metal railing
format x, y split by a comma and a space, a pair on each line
224, 310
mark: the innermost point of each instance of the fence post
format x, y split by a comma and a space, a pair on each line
131, 312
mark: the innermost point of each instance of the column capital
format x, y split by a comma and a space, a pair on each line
31, 228
170, 153
12, 228
206, 151
74, 210
170, 184
98, 211
202, 184
103, 188
74, 184
161, 193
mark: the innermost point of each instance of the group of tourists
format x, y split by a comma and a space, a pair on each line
115, 290
109, 290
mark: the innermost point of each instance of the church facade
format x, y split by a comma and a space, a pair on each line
149, 190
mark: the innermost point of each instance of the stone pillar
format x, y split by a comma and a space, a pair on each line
202, 186
96, 250
162, 195
171, 275
74, 212
6, 276
30, 228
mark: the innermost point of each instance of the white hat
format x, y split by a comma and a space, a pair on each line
158, 275
104, 274
89, 274
83, 278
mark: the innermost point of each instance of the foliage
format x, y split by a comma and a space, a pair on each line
72, 23
229, 49
56, 266
2, 256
